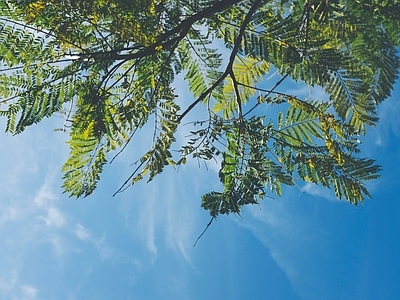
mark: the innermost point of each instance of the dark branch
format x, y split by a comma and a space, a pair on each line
204, 231
169, 38
268, 93
228, 69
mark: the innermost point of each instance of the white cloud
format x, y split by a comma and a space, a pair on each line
20, 208
81, 232
178, 212
8, 283
45, 199
21, 161
170, 212
27, 154
378, 141
11, 289
168, 218
9, 213
100, 245
290, 238
304, 91
320, 191
45, 196
147, 222
31, 224
54, 218
388, 127
58, 245
277, 247
285, 263
28, 292
104, 250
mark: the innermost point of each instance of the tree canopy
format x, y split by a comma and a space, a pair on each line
110, 66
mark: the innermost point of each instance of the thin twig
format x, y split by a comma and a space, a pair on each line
228, 69
127, 142
204, 231
269, 92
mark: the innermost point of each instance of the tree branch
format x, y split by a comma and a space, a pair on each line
228, 69
166, 40
204, 231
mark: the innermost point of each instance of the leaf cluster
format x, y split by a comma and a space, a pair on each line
109, 68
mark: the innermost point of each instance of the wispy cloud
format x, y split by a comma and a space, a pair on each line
9, 213
105, 251
22, 163
29, 220
83, 234
289, 238
29, 292
58, 245
304, 91
11, 289
168, 218
45, 200
40, 209
146, 223
25, 208
54, 218
180, 219
320, 191
388, 126
7, 283
45, 195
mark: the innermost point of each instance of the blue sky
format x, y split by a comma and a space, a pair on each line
138, 245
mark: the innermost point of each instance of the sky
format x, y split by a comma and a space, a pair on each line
139, 244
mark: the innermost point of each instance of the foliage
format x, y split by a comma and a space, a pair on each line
109, 68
